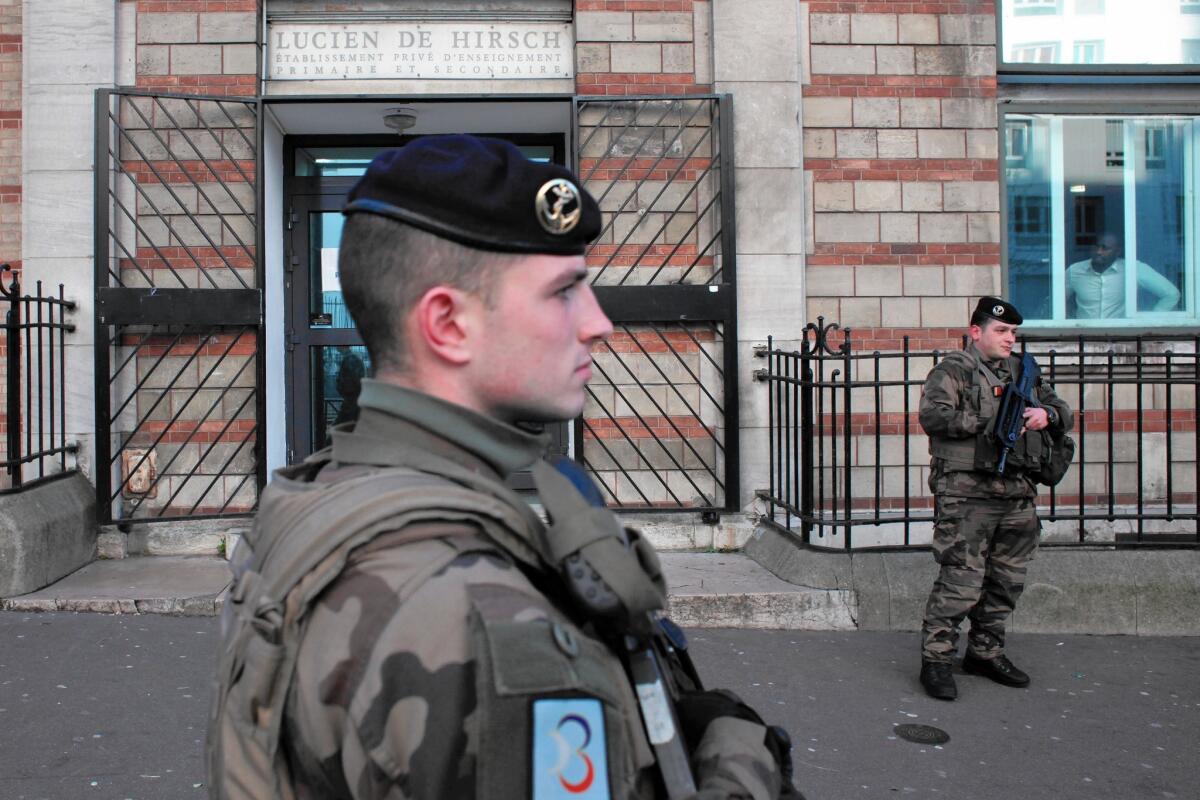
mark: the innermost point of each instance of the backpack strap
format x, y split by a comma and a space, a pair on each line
352, 513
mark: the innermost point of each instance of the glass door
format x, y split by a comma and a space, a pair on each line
326, 357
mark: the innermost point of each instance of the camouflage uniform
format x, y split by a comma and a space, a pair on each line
420, 663
986, 527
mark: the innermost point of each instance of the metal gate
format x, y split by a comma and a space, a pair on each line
178, 337
660, 428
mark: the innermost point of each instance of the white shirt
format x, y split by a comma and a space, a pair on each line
1101, 295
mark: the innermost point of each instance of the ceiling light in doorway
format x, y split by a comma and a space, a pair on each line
400, 119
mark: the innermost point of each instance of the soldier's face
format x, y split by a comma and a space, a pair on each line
995, 339
534, 358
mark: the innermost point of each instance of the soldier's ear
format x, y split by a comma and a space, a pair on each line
441, 323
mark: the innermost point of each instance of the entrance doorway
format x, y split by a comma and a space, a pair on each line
326, 358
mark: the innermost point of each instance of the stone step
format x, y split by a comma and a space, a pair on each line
667, 532
182, 585
729, 590
708, 590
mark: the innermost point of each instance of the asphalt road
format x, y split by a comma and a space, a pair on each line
95, 706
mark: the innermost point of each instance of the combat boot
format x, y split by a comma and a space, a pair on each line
938, 679
999, 669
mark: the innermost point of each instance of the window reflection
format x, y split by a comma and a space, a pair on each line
1099, 218
326, 308
338, 373
1093, 32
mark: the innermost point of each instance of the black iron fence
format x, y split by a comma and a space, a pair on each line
35, 441
849, 463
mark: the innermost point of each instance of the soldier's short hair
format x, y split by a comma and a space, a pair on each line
385, 266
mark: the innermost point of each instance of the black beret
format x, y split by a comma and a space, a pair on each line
483, 193
996, 308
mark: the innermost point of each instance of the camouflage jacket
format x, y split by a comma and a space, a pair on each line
423, 665
954, 406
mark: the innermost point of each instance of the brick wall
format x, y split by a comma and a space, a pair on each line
198, 47
626, 47
10, 169
900, 149
10, 132
193, 166
651, 429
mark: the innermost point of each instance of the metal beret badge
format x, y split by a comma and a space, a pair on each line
998, 310
558, 206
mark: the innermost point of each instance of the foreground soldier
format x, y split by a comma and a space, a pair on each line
986, 528
407, 627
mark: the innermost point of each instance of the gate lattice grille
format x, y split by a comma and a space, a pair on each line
178, 306
659, 431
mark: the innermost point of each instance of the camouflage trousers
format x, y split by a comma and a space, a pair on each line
984, 547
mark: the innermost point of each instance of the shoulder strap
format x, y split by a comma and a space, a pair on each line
960, 358
307, 527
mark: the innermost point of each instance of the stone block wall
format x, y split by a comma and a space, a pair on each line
10, 172
186, 220
653, 426
201, 48
645, 47
10, 132
901, 163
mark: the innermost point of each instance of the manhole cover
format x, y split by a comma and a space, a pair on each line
922, 734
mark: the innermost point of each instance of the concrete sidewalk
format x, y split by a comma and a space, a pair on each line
115, 706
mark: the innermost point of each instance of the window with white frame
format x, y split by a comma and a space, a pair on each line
1016, 141
1101, 222
1088, 32
1089, 52
1035, 53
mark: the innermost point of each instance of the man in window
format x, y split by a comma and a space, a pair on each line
1098, 284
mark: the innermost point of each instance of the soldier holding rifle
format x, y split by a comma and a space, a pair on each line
407, 626
986, 527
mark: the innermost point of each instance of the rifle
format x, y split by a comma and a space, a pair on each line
658, 715
1018, 396
642, 641
653, 649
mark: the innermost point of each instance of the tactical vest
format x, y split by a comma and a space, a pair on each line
303, 536
982, 452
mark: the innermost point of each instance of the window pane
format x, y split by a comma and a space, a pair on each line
1027, 173
1099, 219
333, 162
1159, 186
1094, 175
326, 309
349, 162
337, 374
1093, 32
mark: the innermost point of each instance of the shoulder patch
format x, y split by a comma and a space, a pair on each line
570, 753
